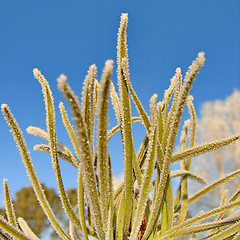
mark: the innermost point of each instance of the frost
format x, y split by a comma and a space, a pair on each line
144, 199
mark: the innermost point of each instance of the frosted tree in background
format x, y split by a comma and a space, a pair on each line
219, 118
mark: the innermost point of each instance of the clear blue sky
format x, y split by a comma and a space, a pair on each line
67, 36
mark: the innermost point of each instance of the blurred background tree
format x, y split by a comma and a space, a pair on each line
27, 207
219, 119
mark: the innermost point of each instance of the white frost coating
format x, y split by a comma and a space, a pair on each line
122, 30
38, 75
127, 138
102, 152
91, 74
88, 172
145, 185
64, 87
39, 147
9, 204
62, 77
153, 98
51, 129
108, 66
138, 104
179, 77
152, 105
124, 17
200, 149
124, 65
190, 98
189, 78
3, 106
177, 87
187, 123
88, 103
195, 67
115, 102
37, 132
21, 144
192, 113
159, 105
61, 80
106, 72
194, 176
148, 170
178, 71
185, 130
11, 121
168, 92
26, 229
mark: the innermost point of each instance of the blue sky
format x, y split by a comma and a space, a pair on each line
68, 36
